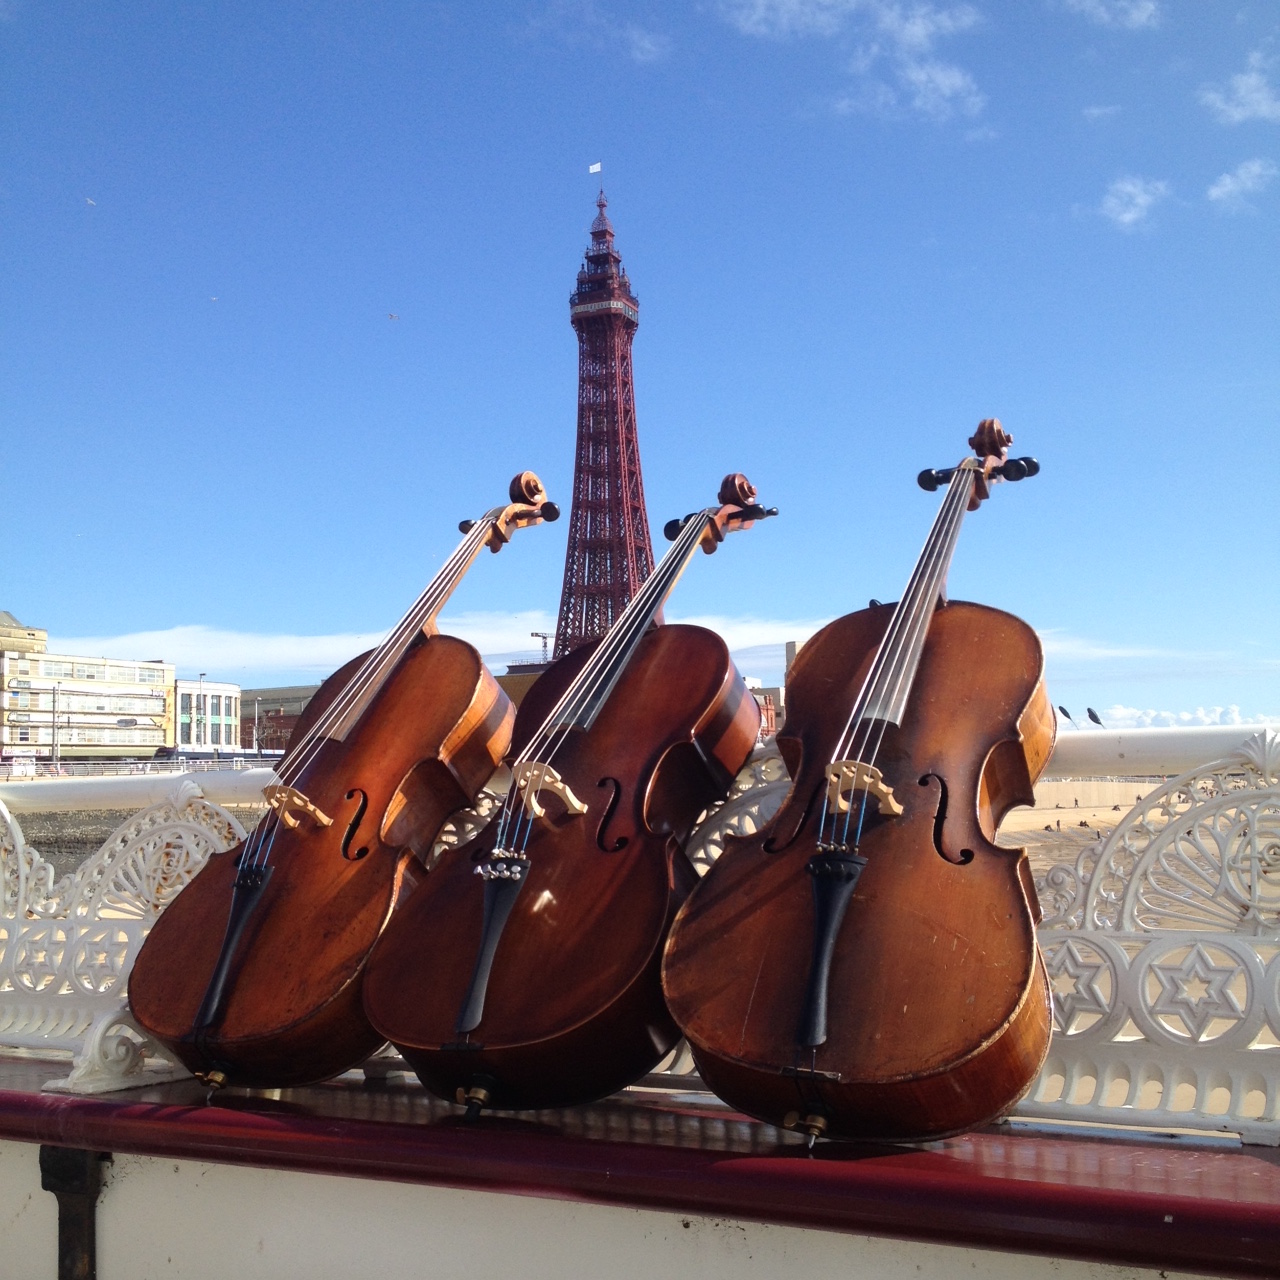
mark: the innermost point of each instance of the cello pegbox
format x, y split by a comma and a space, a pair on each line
738, 510
528, 506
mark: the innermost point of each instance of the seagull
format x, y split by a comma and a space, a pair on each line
92, 202
391, 315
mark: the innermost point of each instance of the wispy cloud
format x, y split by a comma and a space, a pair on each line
1119, 716
1099, 113
1133, 14
645, 45
894, 57
1248, 95
1230, 190
500, 637
1129, 201
590, 23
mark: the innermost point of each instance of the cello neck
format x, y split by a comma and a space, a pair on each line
888, 684
527, 506
582, 702
419, 620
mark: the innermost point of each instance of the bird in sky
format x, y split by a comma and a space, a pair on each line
88, 201
213, 299
391, 315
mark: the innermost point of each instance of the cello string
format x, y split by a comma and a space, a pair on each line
372, 669
390, 650
916, 610
598, 672
385, 655
559, 715
901, 673
630, 629
911, 619
902, 662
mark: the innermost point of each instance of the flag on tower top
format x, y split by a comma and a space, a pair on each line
595, 168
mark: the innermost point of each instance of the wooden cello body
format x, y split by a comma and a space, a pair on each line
573, 1008
541, 984
857, 972
252, 974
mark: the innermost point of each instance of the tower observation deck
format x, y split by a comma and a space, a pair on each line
610, 553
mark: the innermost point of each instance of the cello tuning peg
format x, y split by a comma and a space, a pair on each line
550, 512
1013, 469
931, 477
756, 512
465, 526
671, 530
1032, 466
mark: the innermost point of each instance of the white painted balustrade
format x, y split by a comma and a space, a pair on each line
1162, 940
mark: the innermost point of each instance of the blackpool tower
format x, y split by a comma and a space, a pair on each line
609, 554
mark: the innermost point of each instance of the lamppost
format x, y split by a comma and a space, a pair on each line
257, 707
200, 712
56, 686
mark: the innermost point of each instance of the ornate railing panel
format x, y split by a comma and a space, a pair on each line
66, 946
1162, 944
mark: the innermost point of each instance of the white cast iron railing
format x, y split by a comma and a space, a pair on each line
66, 946
1162, 944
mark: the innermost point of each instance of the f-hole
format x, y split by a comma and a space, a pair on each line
621, 842
775, 845
353, 825
939, 820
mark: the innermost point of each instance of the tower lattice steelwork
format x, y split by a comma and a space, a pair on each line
610, 554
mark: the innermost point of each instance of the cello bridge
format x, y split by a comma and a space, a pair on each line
846, 777
530, 777
290, 804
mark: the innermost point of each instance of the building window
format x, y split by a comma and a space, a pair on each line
150, 675
186, 704
60, 669
24, 668
24, 735
216, 709
186, 733
215, 734
87, 671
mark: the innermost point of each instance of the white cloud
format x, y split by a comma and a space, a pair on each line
1099, 113
898, 37
1249, 95
937, 89
1133, 14
1229, 191
645, 46
579, 22
1060, 644
1122, 717
1129, 200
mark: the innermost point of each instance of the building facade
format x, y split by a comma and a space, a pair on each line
208, 718
68, 707
269, 715
63, 706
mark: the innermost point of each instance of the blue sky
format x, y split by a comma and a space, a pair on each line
855, 228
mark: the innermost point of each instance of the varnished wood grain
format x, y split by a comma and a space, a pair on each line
939, 1005
294, 1012
574, 1006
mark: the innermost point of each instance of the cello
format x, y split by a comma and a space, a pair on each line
540, 984
251, 976
866, 965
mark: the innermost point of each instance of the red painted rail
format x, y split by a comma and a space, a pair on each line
1199, 1208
